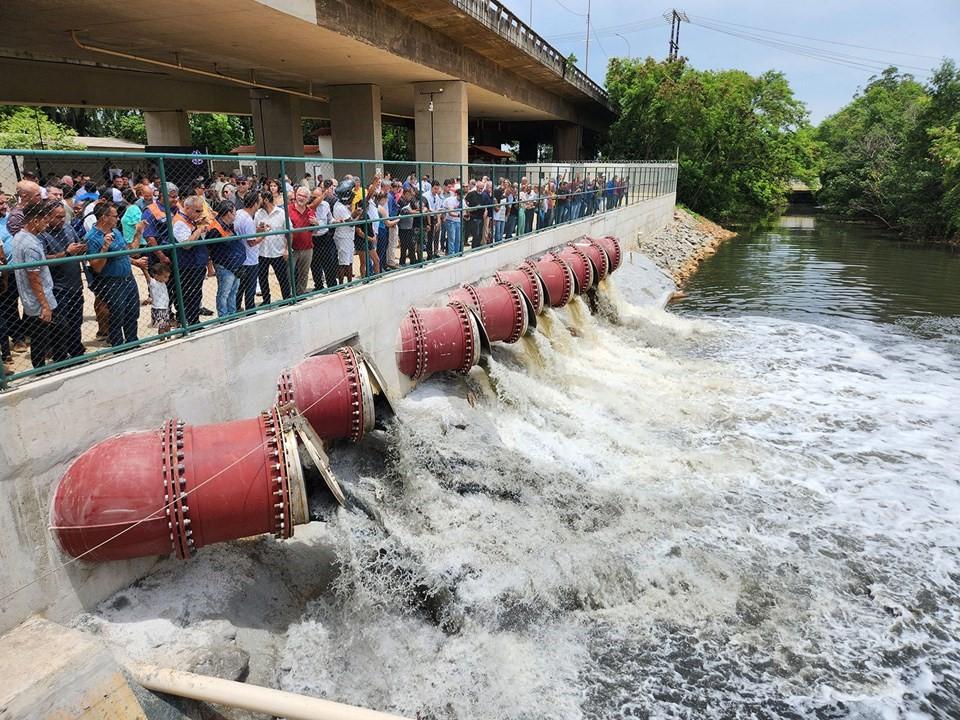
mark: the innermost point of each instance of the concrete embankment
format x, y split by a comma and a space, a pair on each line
681, 245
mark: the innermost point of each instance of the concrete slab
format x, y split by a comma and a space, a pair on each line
50, 671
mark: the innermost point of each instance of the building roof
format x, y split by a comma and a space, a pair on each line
252, 150
489, 150
110, 143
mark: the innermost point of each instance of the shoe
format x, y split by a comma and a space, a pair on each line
204, 311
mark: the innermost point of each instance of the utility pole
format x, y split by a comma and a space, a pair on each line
675, 17
586, 59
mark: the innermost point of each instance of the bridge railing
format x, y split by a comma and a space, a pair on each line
176, 266
500, 19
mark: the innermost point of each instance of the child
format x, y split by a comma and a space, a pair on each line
159, 297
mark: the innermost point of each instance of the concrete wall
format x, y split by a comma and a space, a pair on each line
219, 374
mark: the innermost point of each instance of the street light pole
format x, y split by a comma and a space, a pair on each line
629, 52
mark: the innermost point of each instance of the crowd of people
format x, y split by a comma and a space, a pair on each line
234, 230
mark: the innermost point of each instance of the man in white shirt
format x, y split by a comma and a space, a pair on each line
434, 202
343, 238
273, 249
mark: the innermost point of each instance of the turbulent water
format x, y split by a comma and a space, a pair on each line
646, 514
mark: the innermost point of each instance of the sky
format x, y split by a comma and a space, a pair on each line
929, 29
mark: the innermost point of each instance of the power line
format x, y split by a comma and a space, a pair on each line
630, 27
820, 40
819, 53
572, 12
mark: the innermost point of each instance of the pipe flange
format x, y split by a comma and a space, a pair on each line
615, 261
519, 313
277, 474
177, 472
469, 345
530, 270
587, 264
349, 359
567, 278
605, 270
419, 343
167, 464
284, 388
477, 303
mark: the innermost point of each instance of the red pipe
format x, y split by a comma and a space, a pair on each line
437, 339
333, 392
195, 484
503, 312
598, 257
525, 278
614, 250
557, 278
582, 268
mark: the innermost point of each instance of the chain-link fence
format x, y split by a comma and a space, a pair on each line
101, 254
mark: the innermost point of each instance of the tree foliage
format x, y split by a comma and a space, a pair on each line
27, 127
395, 143
893, 153
740, 138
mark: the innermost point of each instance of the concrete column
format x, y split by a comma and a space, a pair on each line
356, 129
277, 130
441, 134
568, 143
167, 127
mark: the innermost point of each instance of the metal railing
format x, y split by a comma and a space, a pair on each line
97, 311
505, 23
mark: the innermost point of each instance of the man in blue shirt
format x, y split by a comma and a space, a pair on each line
59, 241
35, 283
11, 325
115, 277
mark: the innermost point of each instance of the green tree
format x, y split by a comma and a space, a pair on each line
220, 133
740, 138
26, 127
890, 154
395, 146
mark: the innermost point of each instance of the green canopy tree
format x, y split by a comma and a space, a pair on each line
26, 127
740, 139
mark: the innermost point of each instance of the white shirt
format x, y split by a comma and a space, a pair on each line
159, 297
273, 246
243, 225
342, 233
324, 216
425, 186
501, 212
434, 201
117, 195
452, 204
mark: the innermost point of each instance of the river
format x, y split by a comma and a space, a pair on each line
744, 506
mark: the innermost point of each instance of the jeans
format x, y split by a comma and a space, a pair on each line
279, 265
191, 282
323, 264
123, 303
301, 268
65, 339
498, 230
452, 228
247, 287
511, 229
228, 285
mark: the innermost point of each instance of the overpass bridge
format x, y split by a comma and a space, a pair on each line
449, 69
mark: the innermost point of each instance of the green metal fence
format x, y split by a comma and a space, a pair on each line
79, 329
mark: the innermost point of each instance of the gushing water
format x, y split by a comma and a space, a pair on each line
634, 514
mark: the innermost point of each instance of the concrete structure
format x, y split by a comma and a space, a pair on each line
167, 127
219, 374
281, 60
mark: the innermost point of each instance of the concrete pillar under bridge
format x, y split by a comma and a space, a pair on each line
441, 117
167, 127
277, 130
356, 129
568, 143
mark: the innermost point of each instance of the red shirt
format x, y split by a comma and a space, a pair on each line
301, 240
